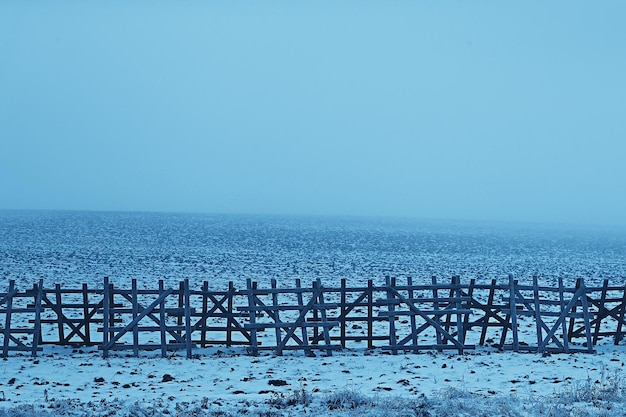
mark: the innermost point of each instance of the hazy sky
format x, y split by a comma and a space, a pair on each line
505, 110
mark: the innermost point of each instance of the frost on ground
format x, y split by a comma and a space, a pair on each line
586, 400
350, 383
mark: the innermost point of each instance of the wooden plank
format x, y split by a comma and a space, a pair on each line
485, 326
254, 344
135, 329
162, 318
343, 311
106, 313
436, 318
601, 313
412, 319
37, 327
466, 316
563, 323
59, 302
538, 319
8, 299
587, 320
513, 312
622, 312
188, 344
86, 306
276, 309
230, 320
391, 282
370, 314
305, 337
459, 314
325, 322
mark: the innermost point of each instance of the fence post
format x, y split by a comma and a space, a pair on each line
7, 319
304, 333
370, 314
391, 307
205, 309
59, 301
437, 317
601, 311
275, 311
513, 309
230, 319
562, 303
409, 283
162, 319
538, 320
254, 346
87, 327
320, 299
135, 309
622, 312
456, 282
485, 326
37, 328
106, 301
586, 317
466, 316
188, 341
342, 314
181, 305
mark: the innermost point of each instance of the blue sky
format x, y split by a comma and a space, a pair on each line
496, 110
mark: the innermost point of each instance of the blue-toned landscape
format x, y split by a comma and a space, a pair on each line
72, 247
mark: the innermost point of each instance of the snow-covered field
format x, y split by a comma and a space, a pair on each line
228, 382
75, 247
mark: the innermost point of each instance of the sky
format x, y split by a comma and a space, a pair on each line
487, 110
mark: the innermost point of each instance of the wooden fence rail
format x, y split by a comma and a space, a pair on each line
397, 316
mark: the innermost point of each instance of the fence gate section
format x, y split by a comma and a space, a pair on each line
285, 311
21, 328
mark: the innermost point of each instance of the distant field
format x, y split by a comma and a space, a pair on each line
76, 247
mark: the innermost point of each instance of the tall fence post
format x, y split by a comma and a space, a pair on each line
105, 317
513, 311
370, 314
391, 306
37, 327
254, 344
86, 314
135, 310
412, 318
303, 332
437, 317
162, 318
188, 341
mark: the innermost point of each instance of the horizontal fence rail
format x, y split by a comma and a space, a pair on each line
396, 317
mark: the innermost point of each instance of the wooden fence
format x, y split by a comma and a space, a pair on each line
397, 317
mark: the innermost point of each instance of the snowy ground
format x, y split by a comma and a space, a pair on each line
75, 247
228, 380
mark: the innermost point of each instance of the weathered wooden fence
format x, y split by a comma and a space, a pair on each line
396, 316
